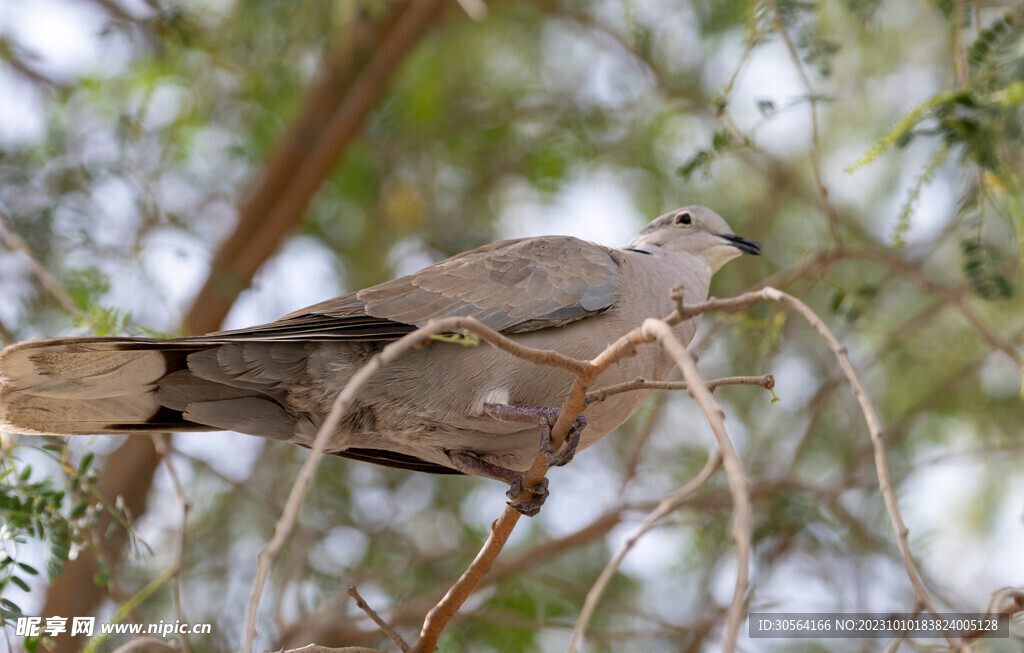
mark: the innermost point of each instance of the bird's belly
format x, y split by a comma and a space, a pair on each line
431, 402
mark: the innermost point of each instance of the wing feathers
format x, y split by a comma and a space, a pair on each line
539, 282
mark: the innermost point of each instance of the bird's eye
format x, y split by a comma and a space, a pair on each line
684, 218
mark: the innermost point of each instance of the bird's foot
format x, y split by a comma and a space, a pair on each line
472, 465
529, 507
544, 418
567, 451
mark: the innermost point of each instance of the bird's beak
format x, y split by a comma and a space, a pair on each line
745, 245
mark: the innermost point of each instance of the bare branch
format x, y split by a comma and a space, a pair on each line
586, 373
830, 209
870, 416
913, 274
6, 336
666, 507
160, 441
383, 625
766, 381
16, 244
877, 443
313, 648
303, 159
742, 519
1008, 601
502, 528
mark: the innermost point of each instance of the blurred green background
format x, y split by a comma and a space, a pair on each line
262, 155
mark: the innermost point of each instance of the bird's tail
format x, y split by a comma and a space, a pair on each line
77, 386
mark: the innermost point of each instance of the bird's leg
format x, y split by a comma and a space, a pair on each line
472, 465
545, 418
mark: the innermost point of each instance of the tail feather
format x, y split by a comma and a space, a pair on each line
70, 386
74, 386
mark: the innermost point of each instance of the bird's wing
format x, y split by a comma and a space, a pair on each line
511, 286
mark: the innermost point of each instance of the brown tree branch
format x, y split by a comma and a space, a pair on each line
383, 625
45, 277
160, 441
356, 77
323, 626
742, 519
624, 347
958, 300
830, 209
877, 443
766, 381
1008, 601
303, 160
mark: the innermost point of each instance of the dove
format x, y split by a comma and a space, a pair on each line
445, 408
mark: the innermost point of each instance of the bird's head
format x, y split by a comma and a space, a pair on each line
698, 231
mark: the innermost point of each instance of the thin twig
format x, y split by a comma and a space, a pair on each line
6, 336
830, 210
16, 244
742, 518
766, 381
160, 444
877, 444
870, 416
315, 648
1008, 600
501, 529
442, 613
586, 373
383, 625
913, 274
666, 507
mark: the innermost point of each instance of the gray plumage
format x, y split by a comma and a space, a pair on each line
278, 380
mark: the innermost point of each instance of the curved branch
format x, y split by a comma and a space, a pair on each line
742, 518
664, 508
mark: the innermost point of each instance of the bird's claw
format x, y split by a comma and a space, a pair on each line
529, 507
567, 451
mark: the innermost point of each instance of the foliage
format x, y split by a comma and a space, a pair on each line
590, 116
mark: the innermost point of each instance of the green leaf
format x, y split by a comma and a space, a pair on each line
28, 569
11, 605
86, 285
84, 465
